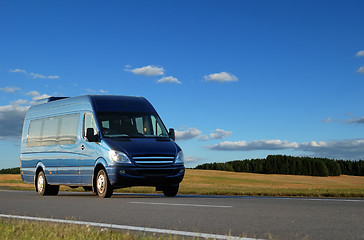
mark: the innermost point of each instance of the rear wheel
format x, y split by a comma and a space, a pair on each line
171, 191
103, 186
43, 188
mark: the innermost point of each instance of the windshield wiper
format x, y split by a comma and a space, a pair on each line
117, 136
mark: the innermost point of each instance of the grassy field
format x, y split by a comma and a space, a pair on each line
207, 182
20, 229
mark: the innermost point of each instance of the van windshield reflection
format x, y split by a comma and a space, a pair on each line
131, 124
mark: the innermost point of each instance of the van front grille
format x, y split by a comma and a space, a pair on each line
153, 161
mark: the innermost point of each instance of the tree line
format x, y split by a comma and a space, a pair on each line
10, 171
282, 164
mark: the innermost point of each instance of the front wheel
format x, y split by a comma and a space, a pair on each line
171, 191
103, 186
43, 188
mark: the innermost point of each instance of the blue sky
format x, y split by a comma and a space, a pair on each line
236, 79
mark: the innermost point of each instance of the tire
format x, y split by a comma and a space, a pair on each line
43, 188
103, 186
41, 183
53, 190
171, 191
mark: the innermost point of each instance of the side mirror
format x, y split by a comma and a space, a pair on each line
172, 134
91, 136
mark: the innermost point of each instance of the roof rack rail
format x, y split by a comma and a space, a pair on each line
48, 99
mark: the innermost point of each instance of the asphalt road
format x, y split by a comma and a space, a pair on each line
261, 217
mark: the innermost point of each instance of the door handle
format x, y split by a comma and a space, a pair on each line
82, 147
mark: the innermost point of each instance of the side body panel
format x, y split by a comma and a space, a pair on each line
90, 154
60, 163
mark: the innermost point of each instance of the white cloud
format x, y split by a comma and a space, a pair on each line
361, 70
20, 102
12, 116
187, 134
188, 158
254, 145
34, 75
33, 93
11, 119
360, 54
37, 75
169, 79
327, 120
356, 120
221, 77
9, 89
342, 149
191, 159
36, 96
18, 70
53, 77
217, 134
95, 92
339, 149
146, 70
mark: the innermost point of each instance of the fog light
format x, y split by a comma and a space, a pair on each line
122, 172
181, 171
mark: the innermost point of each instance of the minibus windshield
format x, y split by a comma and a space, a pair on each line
131, 124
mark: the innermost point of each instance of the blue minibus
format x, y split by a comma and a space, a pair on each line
100, 143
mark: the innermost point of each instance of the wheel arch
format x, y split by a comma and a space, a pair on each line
99, 164
38, 168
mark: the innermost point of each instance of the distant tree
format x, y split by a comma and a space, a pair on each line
282, 164
361, 168
10, 171
332, 166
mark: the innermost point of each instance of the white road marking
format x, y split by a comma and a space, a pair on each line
336, 200
318, 199
130, 228
182, 204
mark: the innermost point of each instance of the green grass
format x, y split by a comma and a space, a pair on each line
21, 229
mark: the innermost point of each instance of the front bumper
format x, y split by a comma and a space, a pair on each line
121, 177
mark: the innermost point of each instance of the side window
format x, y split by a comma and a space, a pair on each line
68, 129
139, 125
156, 126
88, 122
50, 128
53, 131
34, 133
105, 124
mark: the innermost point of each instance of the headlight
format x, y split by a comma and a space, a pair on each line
119, 157
179, 158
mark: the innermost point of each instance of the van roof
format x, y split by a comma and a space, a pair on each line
106, 103
97, 103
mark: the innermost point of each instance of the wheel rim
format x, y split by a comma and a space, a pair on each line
101, 183
40, 183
